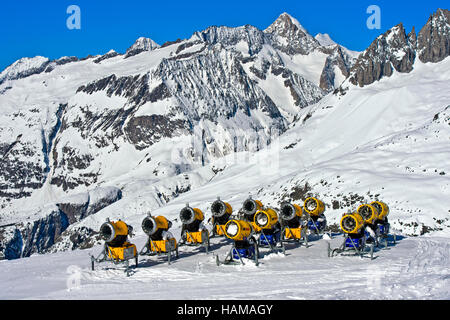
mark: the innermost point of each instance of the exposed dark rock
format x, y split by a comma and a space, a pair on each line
391, 50
433, 41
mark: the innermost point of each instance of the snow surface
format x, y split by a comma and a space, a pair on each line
414, 268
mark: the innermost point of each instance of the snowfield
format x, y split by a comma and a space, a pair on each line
415, 268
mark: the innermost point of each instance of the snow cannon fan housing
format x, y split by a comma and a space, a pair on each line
352, 223
221, 211
266, 219
191, 218
238, 230
155, 226
368, 213
250, 207
115, 234
290, 214
382, 208
313, 206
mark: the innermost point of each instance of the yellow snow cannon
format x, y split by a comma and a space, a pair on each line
238, 230
353, 225
313, 206
160, 240
193, 232
316, 219
249, 208
382, 226
266, 219
292, 224
221, 212
244, 244
382, 208
267, 222
368, 212
116, 249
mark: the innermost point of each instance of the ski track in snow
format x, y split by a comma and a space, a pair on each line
414, 268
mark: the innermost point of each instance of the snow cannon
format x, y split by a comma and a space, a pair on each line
368, 212
352, 223
160, 240
193, 232
382, 226
155, 226
238, 230
382, 208
353, 226
116, 249
244, 243
115, 234
292, 223
267, 222
316, 219
221, 212
249, 208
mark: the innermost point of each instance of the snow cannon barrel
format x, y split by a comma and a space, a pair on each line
266, 219
238, 230
289, 212
313, 206
250, 207
368, 212
221, 211
191, 218
382, 208
155, 225
352, 223
115, 233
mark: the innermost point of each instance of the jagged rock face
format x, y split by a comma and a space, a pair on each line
290, 37
142, 44
337, 59
433, 41
252, 37
39, 236
392, 50
109, 55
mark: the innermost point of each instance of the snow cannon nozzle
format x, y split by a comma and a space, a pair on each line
250, 206
115, 233
190, 215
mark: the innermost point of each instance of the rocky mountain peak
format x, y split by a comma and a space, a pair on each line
141, 44
433, 40
289, 36
392, 50
24, 67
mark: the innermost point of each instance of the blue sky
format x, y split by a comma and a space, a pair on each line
30, 28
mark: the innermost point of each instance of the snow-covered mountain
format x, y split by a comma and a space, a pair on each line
229, 111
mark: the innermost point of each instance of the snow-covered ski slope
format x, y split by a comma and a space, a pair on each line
415, 268
388, 140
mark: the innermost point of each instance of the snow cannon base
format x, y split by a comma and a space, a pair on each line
195, 239
247, 249
316, 227
117, 255
353, 246
382, 233
294, 235
160, 247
